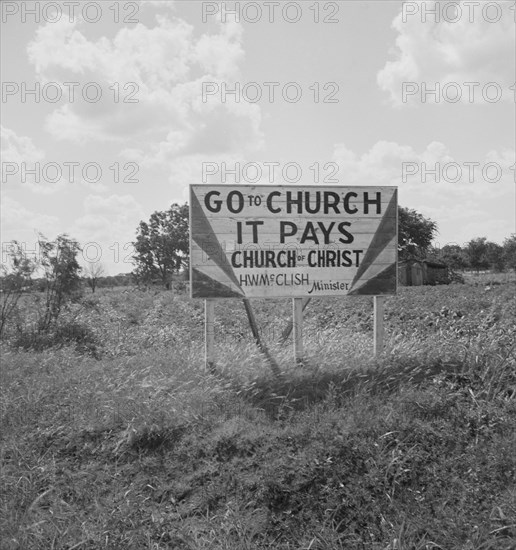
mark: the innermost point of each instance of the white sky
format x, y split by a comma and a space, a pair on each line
163, 52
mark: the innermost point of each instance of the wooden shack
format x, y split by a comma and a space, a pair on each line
437, 273
422, 272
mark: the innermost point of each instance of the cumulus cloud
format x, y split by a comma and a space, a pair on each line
23, 164
18, 149
436, 167
23, 224
65, 124
384, 162
461, 43
435, 182
150, 81
108, 218
106, 229
165, 4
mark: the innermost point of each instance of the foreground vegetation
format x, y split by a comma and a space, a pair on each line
114, 437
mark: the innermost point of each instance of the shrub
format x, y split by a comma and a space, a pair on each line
76, 334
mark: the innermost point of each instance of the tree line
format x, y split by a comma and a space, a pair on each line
478, 255
162, 251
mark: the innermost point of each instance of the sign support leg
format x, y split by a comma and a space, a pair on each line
379, 307
256, 335
288, 329
297, 317
209, 335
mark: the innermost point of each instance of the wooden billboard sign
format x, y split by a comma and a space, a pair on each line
266, 241
276, 242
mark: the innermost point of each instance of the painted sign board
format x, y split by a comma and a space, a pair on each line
292, 241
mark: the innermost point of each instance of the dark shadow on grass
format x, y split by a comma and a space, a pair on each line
280, 396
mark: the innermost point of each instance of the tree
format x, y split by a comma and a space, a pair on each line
476, 251
415, 234
62, 280
509, 252
162, 245
495, 256
93, 271
16, 277
454, 256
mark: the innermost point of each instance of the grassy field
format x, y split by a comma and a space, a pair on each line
120, 440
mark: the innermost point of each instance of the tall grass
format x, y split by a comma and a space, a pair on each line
138, 447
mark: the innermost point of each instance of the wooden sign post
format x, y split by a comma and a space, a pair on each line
209, 335
379, 306
257, 338
297, 318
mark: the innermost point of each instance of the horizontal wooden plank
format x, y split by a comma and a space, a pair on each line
314, 272
274, 224
271, 242
229, 247
299, 265
244, 201
229, 243
295, 218
307, 259
308, 265
200, 189
295, 283
256, 213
